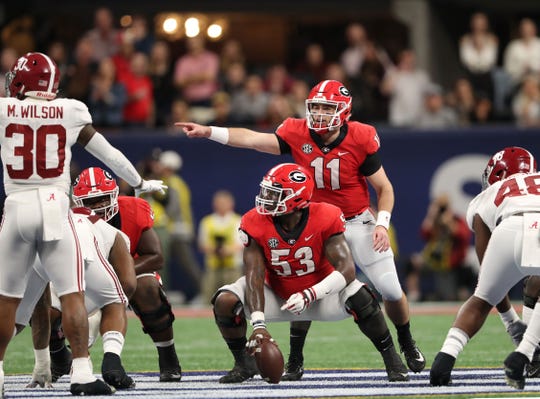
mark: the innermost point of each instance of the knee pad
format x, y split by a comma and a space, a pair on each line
228, 310
362, 305
156, 320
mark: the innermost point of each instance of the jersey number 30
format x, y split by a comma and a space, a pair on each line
44, 134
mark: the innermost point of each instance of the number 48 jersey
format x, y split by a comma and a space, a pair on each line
519, 193
294, 260
36, 137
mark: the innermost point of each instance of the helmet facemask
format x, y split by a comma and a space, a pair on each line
324, 115
104, 204
273, 200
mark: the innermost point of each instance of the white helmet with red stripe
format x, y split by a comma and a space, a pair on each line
96, 189
328, 106
33, 75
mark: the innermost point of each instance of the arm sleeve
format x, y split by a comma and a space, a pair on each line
371, 164
99, 147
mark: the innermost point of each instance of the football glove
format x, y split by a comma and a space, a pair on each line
299, 301
148, 186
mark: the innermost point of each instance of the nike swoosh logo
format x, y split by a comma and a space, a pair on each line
308, 237
342, 153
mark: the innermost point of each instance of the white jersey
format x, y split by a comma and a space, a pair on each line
517, 194
36, 137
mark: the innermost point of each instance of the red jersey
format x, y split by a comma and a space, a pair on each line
335, 167
295, 260
134, 216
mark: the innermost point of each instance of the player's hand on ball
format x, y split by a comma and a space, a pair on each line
257, 337
267, 354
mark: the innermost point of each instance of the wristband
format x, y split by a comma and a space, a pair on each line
219, 134
258, 320
383, 219
42, 356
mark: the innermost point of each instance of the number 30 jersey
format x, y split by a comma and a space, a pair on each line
294, 260
36, 137
518, 193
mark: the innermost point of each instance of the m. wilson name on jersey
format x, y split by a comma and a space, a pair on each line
38, 111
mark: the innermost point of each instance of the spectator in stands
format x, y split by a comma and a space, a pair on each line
522, 55
251, 103
221, 106
233, 78
81, 72
436, 114
526, 103
218, 241
104, 38
196, 73
443, 258
231, 53
143, 39
58, 52
180, 111
405, 85
313, 67
139, 107
161, 73
483, 111
353, 56
8, 57
122, 58
277, 80
297, 98
107, 96
478, 52
279, 108
462, 100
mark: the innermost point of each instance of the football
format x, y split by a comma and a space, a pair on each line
269, 360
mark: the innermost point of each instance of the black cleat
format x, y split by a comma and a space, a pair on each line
60, 363
173, 375
516, 331
414, 358
441, 370
514, 369
533, 368
294, 369
395, 368
113, 372
241, 372
95, 388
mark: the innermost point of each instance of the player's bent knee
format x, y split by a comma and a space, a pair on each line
157, 319
389, 287
532, 287
362, 305
228, 309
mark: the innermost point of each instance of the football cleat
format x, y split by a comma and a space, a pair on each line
113, 372
414, 358
441, 369
60, 363
395, 368
533, 368
169, 365
516, 330
173, 375
294, 370
514, 369
240, 372
95, 388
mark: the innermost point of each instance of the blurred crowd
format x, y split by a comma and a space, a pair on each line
129, 78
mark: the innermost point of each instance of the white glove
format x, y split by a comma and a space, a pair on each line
299, 302
148, 186
41, 376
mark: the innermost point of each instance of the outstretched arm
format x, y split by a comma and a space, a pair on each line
234, 137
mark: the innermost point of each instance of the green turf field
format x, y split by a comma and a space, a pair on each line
329, 345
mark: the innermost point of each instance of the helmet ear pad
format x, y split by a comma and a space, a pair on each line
285, 188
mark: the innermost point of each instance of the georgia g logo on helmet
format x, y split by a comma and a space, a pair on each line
297, 176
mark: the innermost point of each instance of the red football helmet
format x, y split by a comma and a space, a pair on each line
328, 106
33, 75
96, 189
287, 187
507, 162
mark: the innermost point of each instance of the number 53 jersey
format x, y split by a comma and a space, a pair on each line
294, 260
36, 137
517, 194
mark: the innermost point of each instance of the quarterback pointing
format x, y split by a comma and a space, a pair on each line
342, 156
37, 131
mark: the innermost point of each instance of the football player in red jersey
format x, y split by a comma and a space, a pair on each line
298, 267
341, 156
96, 189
